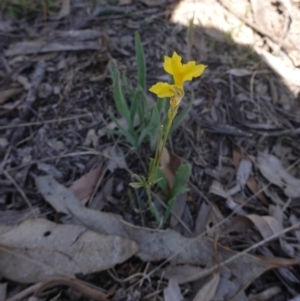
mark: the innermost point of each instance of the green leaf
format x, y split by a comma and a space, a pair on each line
133, 108
179, 118
171, 204
140, 61
128, 88
136, 185
154, 126
144, 106
142, 136
126, 133
162, 184
180, 179
119, 98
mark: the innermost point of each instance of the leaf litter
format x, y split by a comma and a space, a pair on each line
176, 248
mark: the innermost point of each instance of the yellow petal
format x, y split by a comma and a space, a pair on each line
191, 70
173, 65
162, 90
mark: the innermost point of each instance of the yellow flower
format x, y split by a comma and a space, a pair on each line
181, 73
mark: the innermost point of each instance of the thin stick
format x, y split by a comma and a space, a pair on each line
4, 127
28, 291
20, 190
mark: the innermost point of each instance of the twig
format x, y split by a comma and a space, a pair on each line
4, 127
11, 179
28, 291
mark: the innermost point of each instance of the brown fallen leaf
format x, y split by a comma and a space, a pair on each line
7, 94
161, 244
85, 185
253, 186
38, 249
169, 165
251, 183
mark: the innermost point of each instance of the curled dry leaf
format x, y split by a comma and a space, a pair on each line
38, 249
159, 244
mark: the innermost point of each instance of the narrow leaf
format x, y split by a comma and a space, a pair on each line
140, 61
119, 98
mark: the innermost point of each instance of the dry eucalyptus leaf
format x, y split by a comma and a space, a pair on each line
243, 172
159, 244
84, 186
169, 164
253, 185
272, 169
266, 225
181, 273
172, 291
64, 10
38, 249
207, 292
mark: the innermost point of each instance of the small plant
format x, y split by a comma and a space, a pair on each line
143, 120
175, 92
